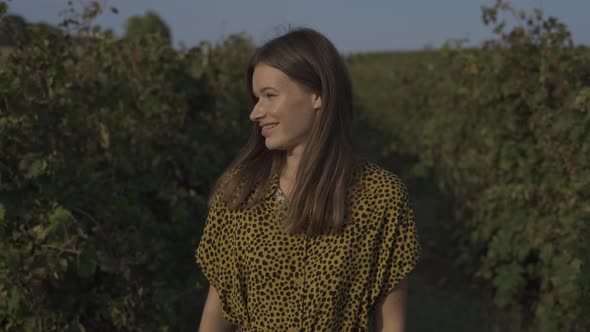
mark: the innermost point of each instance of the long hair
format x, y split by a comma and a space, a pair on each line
319, 196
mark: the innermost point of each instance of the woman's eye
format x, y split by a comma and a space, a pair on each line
269, 96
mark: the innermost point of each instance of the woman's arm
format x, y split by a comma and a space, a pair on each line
390, 312
212, 319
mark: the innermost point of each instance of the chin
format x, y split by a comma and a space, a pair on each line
271, 145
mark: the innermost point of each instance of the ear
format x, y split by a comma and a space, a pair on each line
316, 101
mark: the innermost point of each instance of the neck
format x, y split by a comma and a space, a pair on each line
292, 163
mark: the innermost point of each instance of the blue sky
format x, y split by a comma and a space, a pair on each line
353, 26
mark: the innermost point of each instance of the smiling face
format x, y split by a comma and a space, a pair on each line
285, 109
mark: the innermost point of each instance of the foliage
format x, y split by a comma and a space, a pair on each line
109, 148
391, 92
225, 71
148, 24
505, 131
10, 25
108, 155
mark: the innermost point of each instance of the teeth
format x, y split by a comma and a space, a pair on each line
270, 126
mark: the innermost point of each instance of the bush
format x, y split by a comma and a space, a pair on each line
504, 131
508, 136
109, 149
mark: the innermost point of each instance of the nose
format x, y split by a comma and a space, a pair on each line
257, 113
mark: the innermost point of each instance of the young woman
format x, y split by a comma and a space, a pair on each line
300, 235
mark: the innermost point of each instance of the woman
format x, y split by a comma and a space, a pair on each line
300, 236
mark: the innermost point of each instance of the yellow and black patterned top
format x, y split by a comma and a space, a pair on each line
271, 281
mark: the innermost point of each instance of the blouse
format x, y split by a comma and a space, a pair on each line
268, 280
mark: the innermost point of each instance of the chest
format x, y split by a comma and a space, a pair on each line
305, 281
270, 257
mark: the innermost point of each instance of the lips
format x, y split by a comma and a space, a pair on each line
267, 129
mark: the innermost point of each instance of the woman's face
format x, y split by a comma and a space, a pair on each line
285, 110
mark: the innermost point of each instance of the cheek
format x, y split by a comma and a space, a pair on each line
295, 116
276, 109
300, 123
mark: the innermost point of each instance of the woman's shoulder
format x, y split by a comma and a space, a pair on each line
370, 177
218, 193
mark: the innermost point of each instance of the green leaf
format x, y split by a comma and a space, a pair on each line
60, 216
576, 264
582, 100
14, 300
32, 165
105, 140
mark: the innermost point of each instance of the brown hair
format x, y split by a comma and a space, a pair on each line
319, 197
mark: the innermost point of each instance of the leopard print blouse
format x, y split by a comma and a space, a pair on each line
271, 281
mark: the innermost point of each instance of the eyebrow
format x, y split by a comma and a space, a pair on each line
266, 88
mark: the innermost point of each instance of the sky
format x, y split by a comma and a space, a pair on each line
352, 25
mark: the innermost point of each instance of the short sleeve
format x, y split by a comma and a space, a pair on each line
398, 250
210, 253
215, 255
